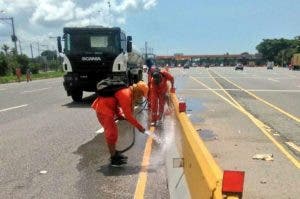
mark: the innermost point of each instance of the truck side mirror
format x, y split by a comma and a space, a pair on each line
59, 44
129, 44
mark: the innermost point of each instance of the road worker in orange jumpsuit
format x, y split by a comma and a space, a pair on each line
151, 67
157, 91
121, 106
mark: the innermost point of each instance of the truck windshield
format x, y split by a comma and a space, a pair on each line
86, 43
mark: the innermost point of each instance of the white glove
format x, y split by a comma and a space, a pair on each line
153, 136
101, 130
147, 132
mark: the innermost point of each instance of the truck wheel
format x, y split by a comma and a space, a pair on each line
77, 95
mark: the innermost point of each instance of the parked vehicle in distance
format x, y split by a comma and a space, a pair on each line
194, 65
295, 62
239, 66
270, 65
186, 66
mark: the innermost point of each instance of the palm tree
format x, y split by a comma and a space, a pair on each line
5, 48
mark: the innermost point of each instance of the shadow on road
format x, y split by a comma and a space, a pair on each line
107, 170
86, 102
94, 153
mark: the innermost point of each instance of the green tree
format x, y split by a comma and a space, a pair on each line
5, 48
279, 50
23, 61
270, 48
50, 55
35, 67
4, 69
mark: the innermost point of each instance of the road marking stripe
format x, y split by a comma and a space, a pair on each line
262, 100
2, 89
205, 89
236, 89
40, 89
263, 127
252, 77
274, 80
141, 184
294, 146
270, 90
11, 108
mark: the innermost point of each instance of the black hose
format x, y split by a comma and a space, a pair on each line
144, 107
132, 143
133, 130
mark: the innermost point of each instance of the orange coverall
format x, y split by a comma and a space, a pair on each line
150, 71
108, 107
158, 95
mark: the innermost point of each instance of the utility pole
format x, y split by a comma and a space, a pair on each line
38, 43
13, 36
20, 47
282, 58
146, 50
109, 16
31, 51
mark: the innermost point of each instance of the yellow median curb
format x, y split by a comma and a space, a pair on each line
203, 175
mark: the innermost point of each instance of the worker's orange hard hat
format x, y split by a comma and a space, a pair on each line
142, 86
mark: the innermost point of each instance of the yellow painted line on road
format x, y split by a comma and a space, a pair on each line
263, 127
236, 103
262, 100
142, 180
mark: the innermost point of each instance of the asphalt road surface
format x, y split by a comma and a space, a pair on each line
49, 148
240, 114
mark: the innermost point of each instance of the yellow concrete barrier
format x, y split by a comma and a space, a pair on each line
203, 175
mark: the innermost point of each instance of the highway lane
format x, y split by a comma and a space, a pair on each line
233, 137
41, 129
51, 133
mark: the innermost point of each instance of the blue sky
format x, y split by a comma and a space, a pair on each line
214, 26
177, 26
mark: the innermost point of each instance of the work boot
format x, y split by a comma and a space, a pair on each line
123, 157
117, 161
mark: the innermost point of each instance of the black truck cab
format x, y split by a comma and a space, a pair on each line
91, 54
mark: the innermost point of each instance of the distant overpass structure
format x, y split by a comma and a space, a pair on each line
217, 60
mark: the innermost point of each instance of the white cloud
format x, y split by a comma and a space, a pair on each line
35, 19
48, 11
125, 5
121, 20
148, 4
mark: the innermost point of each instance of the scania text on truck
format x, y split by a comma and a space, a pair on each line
94, 53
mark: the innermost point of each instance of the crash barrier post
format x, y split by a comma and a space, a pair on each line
203, 175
